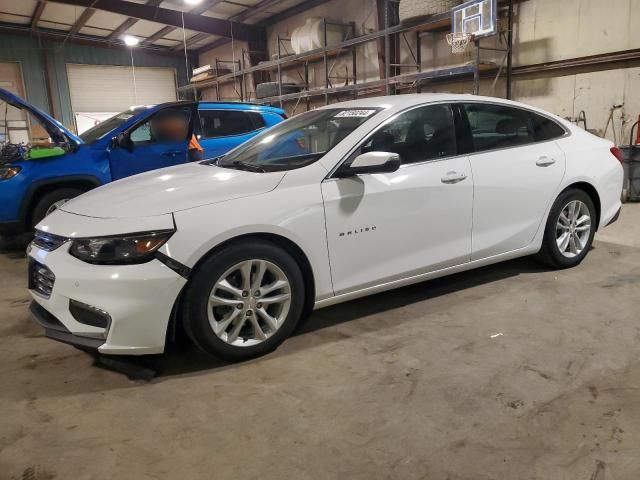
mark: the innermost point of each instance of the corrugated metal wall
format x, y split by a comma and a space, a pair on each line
34, 57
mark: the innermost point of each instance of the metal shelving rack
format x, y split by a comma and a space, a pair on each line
391, 84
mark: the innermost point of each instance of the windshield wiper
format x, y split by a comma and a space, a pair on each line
211, 161
250, 167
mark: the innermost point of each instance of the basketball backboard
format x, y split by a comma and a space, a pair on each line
476, 17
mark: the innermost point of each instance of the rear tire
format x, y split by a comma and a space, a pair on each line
569, 231
230, 320
50, 201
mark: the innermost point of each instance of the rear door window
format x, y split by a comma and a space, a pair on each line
501, 126
227, 123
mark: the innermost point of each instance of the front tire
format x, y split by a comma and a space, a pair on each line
52, 201
243, 301
569, 231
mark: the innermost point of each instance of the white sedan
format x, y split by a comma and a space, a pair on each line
334, 204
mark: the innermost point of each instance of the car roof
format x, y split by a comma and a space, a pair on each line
407, 100
223, 105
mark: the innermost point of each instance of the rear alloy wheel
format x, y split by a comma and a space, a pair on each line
569, 231
243, 301
573, 229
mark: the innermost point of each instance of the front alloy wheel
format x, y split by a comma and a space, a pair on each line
243, 300
249, 303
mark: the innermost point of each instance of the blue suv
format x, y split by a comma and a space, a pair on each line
37, 178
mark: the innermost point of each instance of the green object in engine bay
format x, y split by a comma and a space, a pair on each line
44, 152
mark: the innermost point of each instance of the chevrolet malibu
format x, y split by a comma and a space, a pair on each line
337, 203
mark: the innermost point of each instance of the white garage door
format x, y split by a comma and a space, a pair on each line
98, 91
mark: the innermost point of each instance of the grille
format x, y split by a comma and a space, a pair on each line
48, 241
41, 279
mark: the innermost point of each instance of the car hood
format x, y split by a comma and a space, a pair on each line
170, 190
58, 132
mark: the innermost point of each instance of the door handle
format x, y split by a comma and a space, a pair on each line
545, 161
453, 177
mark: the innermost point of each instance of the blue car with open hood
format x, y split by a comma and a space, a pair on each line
37, 176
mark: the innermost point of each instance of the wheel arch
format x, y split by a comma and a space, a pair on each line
281, 241
40, 188
590, 190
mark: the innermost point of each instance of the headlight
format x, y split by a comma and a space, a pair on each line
9, 172
119, 250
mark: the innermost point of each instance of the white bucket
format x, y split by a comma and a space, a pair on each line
310, 36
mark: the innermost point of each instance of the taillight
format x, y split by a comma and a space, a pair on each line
615, 151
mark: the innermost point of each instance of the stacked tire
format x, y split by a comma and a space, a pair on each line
414, 9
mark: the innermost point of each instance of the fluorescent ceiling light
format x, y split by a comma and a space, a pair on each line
130, 41
192, 2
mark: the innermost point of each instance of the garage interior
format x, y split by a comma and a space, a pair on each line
510, 371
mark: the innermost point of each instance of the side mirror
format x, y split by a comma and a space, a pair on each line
370, 162
122, 140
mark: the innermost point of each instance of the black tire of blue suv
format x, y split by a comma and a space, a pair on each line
45, 202
195, 303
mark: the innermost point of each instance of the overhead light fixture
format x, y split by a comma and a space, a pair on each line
130, 40
192, 2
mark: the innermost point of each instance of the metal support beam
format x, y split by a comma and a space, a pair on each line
82, 20
191, 41
388, 46
37, 13
61, 35
171, 18
510, 52
198, 10
257, 50
157, 36
130, 22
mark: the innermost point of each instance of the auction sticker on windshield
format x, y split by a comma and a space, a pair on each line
355, 114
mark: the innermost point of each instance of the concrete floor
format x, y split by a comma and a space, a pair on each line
508, 372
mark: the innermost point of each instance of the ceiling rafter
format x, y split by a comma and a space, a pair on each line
172, 18
130, 22
60, 35
197, 10
37, 13
158, 35
190, 41
82, 20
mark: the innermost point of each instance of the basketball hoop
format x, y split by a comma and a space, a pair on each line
459, 41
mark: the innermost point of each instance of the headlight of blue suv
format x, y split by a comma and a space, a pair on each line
9, 172
126, 249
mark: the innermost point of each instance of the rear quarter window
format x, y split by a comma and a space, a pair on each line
545, 129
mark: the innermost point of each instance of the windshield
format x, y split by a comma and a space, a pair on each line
297, 142
104, 127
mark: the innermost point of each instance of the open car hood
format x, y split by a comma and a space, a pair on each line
58, 132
